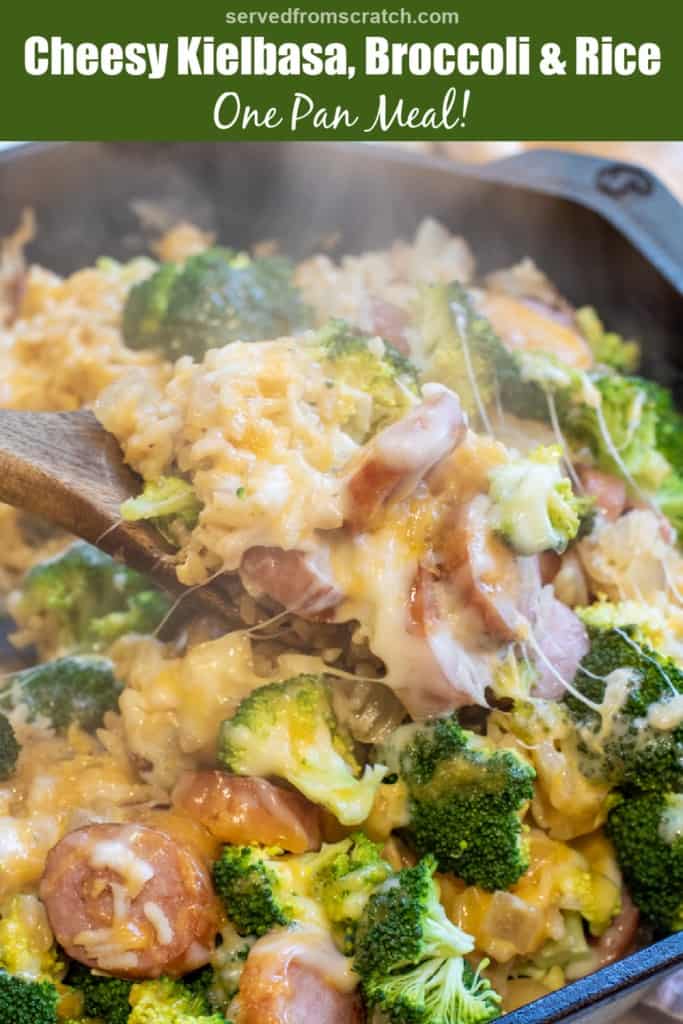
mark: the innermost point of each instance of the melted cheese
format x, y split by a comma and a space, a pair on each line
312, 948
159, 921
122, 860
666, 714
262, 437
376, 571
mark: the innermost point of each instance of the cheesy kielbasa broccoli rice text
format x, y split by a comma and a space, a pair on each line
437, 771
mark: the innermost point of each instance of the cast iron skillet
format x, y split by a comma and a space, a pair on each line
608, 234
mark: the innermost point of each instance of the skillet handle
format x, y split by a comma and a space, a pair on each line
630, 197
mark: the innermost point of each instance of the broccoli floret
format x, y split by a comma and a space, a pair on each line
26, 946
289, 730
146, 306
381, 384
623, 744
456, 346
534, 507
627, 424
27, 1002
345, 875
84, 600
404, 924
608, 348
466, 799
104, 998
669, 424
669, 501
262, 890
647, 832
410, 956
9, 748
30, 968
434, 992
618, 425
169, 502
217, 297
644, 623
167, 1001
254, 888
531, 382
78, 689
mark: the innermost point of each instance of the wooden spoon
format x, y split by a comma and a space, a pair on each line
65, 468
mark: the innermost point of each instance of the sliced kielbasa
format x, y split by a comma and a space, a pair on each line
297, 978
301, 582
243, 810
394, 462
130, 901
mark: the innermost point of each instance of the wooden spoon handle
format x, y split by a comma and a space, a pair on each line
65, 468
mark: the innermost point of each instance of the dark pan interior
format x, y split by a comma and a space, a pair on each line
95, 199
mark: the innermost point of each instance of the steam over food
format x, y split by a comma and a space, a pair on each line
437, 772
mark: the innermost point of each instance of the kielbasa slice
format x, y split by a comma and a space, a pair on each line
241, 810
287, 981
395, 461
301, 582
130, 901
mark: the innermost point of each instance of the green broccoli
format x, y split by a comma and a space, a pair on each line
289, 730
669, 501
647, 832
23, 1001
167, 1001
30, 968
533, 505
83, 600
255, 888
466, 800
456, 346
628, 425
9, 748
404, 923
532, 383
410, 956
262, 890
624, 743
25, 946
217, 297
669, 424
618, 425
608, 348
644, 623
79, 688
146, 307
344, 876
360, 364
169, 502
104, 998
443, 991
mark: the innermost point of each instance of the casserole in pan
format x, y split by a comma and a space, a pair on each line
608, 235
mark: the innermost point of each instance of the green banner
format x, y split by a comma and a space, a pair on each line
267, 69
